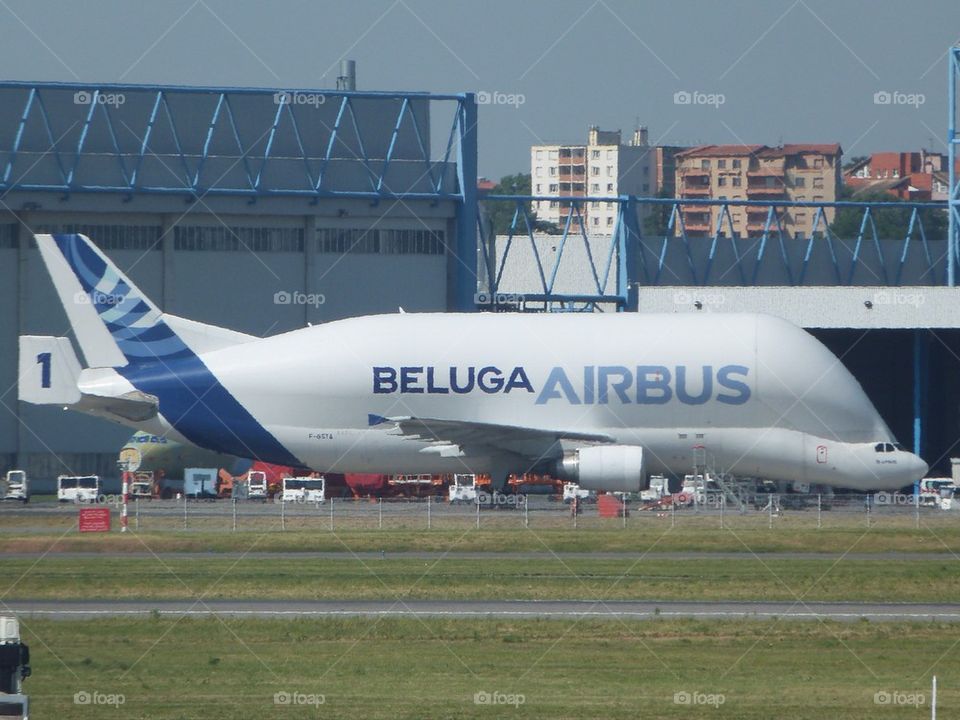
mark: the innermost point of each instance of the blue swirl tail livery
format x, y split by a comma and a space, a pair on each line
143, 366
603, 400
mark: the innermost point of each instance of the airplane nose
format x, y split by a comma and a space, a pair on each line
919, 467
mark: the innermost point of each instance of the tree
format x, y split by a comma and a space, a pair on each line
855, 160
501, 213
656, 223
892, 223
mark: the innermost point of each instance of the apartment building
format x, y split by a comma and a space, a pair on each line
603, 167
919, 176
795, 172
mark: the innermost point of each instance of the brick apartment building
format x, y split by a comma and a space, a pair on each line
919, 176
795, 172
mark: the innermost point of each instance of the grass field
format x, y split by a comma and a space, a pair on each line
495, 578
405, 668
693, 534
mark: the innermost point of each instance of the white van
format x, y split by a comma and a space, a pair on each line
463, 489
77, 489
304, 489
15, 486
256, 485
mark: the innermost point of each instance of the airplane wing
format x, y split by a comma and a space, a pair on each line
533, 443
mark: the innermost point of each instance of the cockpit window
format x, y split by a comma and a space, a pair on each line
878, 447
900, 447
888, 447
884, 448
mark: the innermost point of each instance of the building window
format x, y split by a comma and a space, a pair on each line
220, 238
799, 182
818, 198
380, 241
609, 170
538, 188
818, 162
109, 237
539, 172
609, 154
595, 187
609, 187
646, 187
818, 182
554, 204
721, 181
704, 164
736, 181
539, 154
735, 163
721, 164
8, 236
596, 220
554, 154
594, 170
595, 154
646, 170
609, 221
595, 205
553, 171
554, 187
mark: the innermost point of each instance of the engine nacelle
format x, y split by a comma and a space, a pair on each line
613, 468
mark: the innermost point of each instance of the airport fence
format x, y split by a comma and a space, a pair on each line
793, 511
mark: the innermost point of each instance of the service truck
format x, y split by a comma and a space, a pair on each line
15, 486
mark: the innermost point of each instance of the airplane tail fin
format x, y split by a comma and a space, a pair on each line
114, 322
49, 371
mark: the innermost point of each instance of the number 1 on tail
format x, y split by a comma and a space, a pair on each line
43, 359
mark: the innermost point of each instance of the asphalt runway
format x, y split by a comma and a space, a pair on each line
505, 609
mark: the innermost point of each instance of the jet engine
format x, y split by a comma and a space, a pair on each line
613, 468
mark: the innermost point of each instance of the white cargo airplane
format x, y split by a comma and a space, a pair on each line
603, 400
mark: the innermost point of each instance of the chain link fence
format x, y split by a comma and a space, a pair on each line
713, 511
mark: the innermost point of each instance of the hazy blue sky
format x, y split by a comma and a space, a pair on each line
791, 71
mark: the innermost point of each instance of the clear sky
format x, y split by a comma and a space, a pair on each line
753, 71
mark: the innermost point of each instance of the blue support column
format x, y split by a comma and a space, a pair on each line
627, 285
464, 275
920, 380
953, 205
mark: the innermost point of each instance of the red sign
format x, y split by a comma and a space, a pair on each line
95, 520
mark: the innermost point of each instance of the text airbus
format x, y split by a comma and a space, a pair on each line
589, 385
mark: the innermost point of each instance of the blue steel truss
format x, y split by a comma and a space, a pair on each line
73, 138
629, 259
